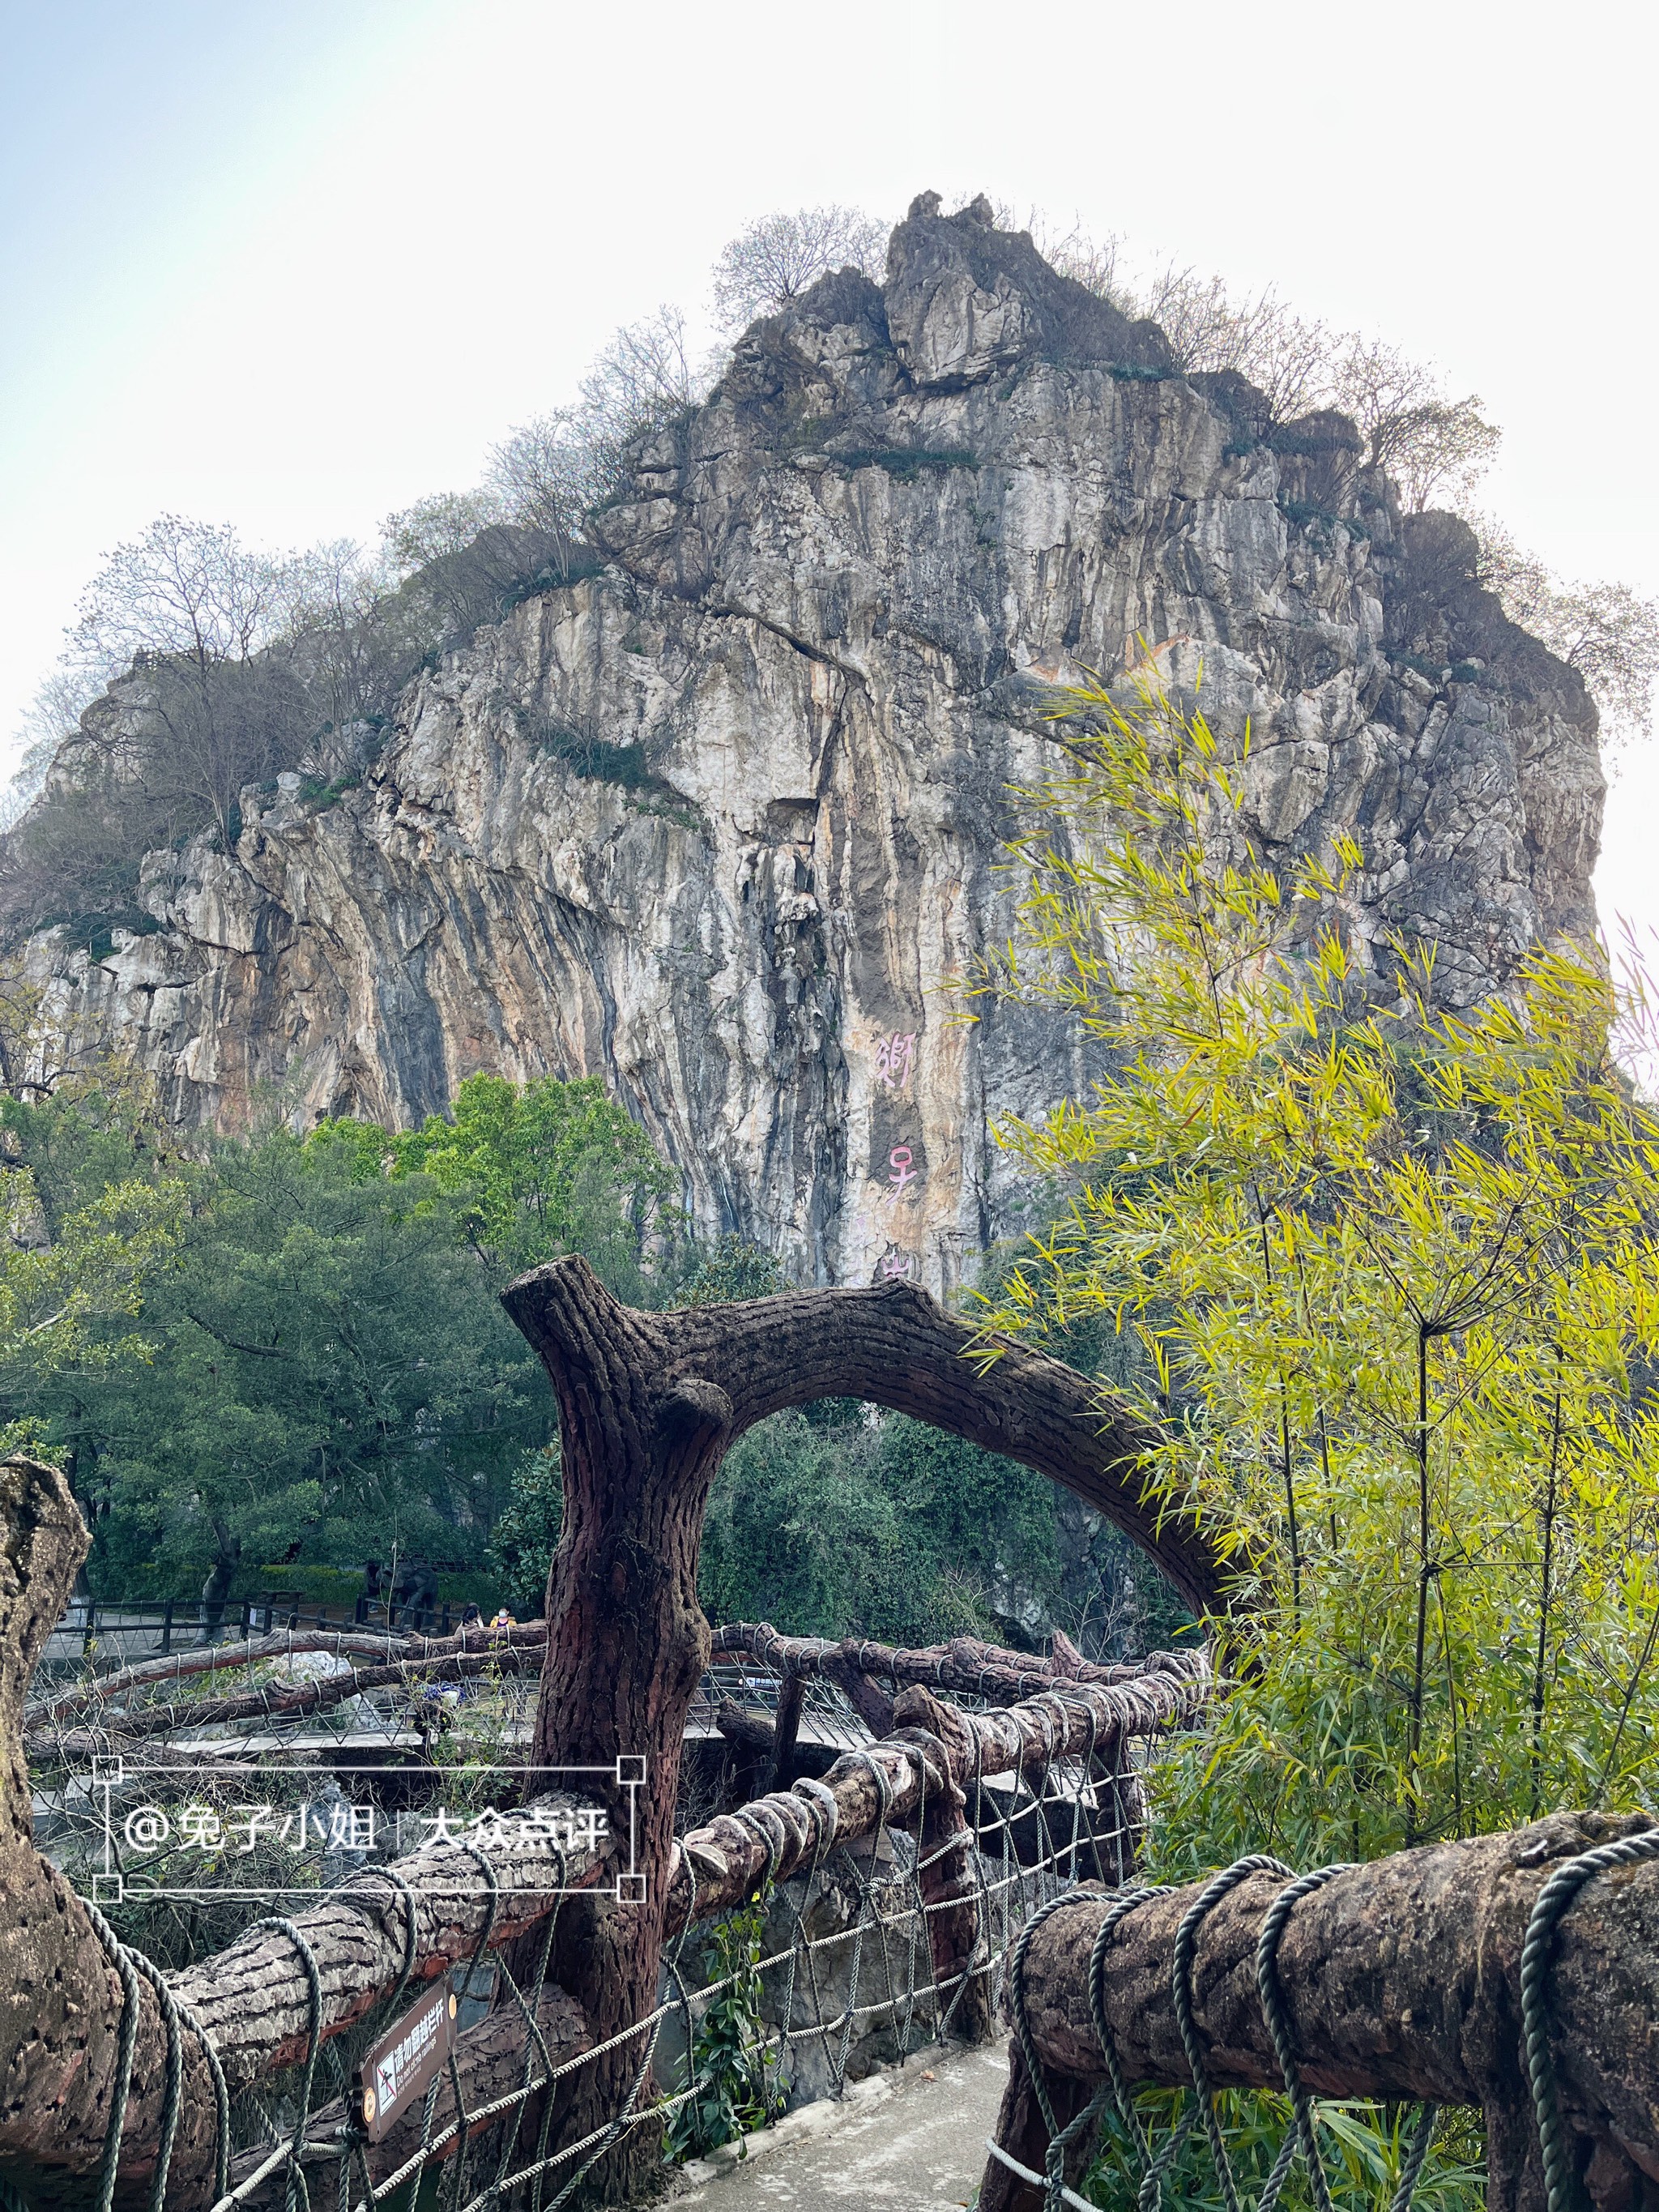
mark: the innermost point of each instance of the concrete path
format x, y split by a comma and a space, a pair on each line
910, 2138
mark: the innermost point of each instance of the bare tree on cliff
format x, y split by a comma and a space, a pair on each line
1608, 632
774, 260
193, 608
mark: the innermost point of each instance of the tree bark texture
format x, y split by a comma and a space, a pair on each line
60, 1993
965, 1666
649, 1404
1401, 1980
724, 1861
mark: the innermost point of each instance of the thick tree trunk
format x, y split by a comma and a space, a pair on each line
216, 1591
648, 1404
1402, 1980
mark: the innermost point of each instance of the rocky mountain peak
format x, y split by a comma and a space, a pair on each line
720, 822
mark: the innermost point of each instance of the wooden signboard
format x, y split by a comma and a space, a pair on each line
398, 2070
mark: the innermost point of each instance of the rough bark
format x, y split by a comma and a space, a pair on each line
949, 1896
60, 1995
1402, 1980
872, 1705
964, 1665
723, 1861
786, 1732
896, 1346
649, 1404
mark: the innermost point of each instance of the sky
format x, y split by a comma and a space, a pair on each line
298, 263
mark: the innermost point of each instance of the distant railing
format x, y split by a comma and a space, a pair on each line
88, 1622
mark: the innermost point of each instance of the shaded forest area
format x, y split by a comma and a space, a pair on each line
230, 1348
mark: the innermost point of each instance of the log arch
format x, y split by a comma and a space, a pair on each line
649, 1404
893, 1344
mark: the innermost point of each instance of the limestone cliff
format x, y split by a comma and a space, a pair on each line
720, 822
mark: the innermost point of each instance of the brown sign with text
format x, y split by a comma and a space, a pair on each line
402, 2066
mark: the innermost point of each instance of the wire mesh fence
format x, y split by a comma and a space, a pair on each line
836, 1967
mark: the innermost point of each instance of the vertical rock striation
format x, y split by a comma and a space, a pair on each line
721, 821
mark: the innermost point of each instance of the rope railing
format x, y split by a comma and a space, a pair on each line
1506, 1973
978, 1814
889, 1982
967, 1862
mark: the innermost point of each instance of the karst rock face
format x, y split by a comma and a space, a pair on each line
836, 605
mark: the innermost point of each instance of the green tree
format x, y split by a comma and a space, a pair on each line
237, 1354
546, 1168
525, 1536
1387, 1276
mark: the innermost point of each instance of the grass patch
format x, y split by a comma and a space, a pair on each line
96, 932
907, 463
1320, 519
588, 755
585, 562
1435, 670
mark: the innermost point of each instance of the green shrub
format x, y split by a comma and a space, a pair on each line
598, 760
737, 2082
907, 463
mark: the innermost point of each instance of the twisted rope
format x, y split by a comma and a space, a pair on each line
1279, 2026
1556, 1894
1181, 1991
296, 2188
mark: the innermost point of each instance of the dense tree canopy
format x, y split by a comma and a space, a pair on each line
270, 1360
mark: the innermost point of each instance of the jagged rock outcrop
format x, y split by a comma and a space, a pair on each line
721, 821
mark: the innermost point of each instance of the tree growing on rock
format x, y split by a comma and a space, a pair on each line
776, 258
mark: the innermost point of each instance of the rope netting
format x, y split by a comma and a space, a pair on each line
846, 1970
844, 1959
1156, 2160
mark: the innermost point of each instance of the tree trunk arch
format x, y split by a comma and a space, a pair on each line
649, 1405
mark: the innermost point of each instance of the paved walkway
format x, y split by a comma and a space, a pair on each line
910, 2138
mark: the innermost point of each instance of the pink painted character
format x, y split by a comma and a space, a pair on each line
895, 1058
896, 1264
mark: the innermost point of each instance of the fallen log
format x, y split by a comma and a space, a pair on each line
1399, 1980
965, 1666
754, 1736
281, 1643
933, 1746
271, 1701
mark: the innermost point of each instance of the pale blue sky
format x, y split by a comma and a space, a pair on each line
295, 265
